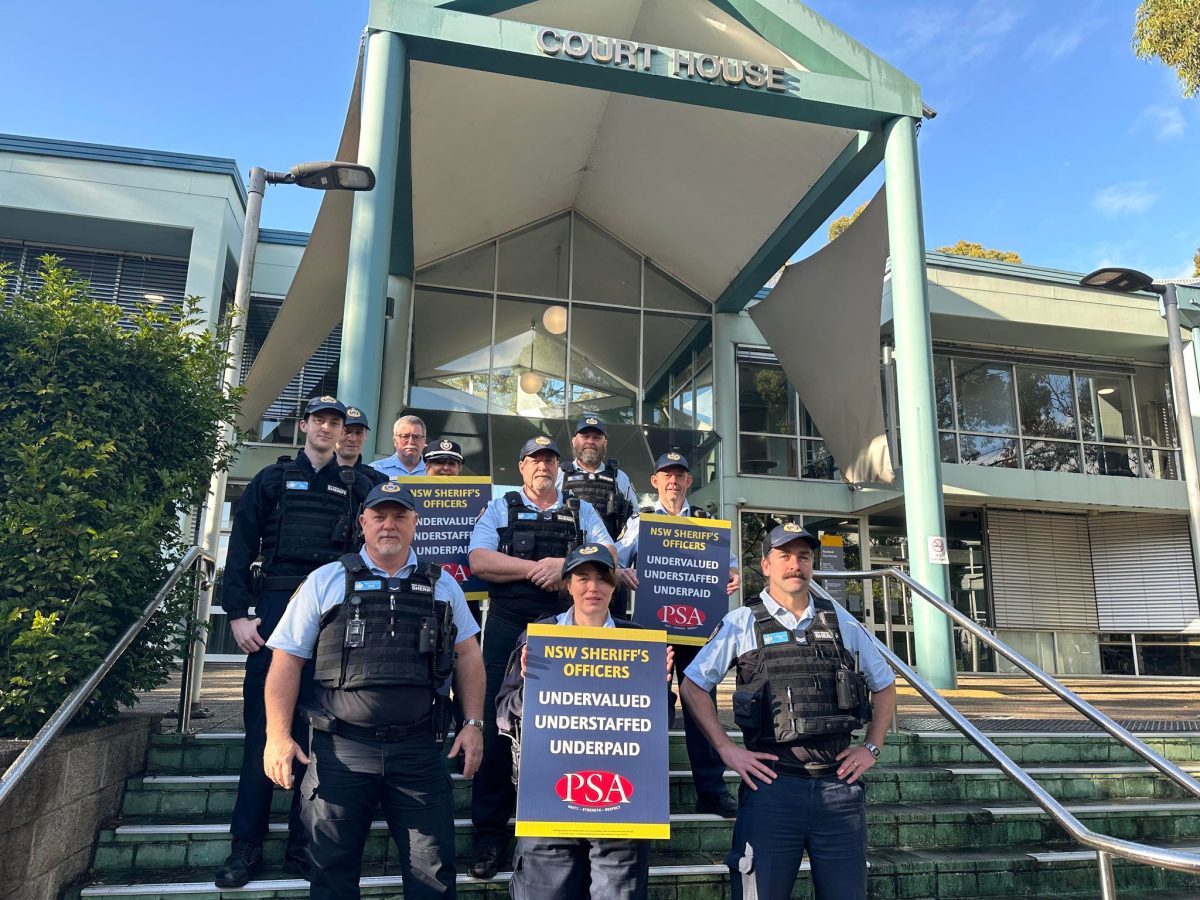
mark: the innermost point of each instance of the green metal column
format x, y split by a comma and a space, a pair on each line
371, 225
921, 469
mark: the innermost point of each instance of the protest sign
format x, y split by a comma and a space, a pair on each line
448, 509
682, 570
594, 734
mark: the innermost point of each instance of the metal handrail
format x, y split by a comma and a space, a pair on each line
1106, 847
75, 700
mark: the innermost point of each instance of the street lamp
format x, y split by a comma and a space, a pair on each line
1125, 281
322, 176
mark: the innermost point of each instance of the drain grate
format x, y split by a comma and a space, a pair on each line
1051, 726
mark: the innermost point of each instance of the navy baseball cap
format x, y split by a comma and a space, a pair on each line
785, 534
355, 416
671, 460
390, 492
443, 449
588, 553
320, 404
536, 445
589, 421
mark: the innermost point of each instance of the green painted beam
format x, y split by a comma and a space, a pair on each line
403, 254
510, 48
853, 164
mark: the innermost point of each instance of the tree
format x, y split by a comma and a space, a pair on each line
840, 224
114, 431
1169, 30
966, 248
1196, 263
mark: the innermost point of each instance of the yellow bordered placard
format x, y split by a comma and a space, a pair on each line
686, 520
597, 830
443, 479
588, 631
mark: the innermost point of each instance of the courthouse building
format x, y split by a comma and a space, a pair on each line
574, 214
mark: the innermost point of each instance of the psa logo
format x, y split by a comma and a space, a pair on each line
680, 616
593, 789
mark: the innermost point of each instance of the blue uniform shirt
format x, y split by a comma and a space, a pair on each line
486, 533
627, 543
393, 468
325, 588
735, 637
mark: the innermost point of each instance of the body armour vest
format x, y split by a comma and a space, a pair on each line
532, 534
791, 695
601, 490
313, 522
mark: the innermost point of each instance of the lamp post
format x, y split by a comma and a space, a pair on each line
1127, 281
321, 176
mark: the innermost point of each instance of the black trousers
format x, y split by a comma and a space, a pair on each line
493, 797
347, 781
708, 772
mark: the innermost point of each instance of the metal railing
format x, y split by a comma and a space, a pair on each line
1106, 847
75, 700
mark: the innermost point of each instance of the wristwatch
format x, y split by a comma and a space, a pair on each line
872, 749
478, 723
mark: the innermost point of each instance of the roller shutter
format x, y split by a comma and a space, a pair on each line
1041, 570
1143, 572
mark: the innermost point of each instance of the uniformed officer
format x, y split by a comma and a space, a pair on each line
299, 514
804, 669
381, 661
672, 479
593, 477
518, 547
573, 868
350, 445
408, 437
443, 457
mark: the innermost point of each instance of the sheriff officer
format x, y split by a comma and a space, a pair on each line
385, 630
672, 479
518, 546
444, 457
298, 514
593, 477
804, 669
350, 445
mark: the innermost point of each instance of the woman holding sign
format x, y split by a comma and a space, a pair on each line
558, 868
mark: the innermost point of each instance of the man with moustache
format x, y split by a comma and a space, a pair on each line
408, 437
804, 670
350, 446
518, 546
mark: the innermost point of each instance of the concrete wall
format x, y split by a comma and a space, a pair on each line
48, 827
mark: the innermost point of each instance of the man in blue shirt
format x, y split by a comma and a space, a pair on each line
408, 437
377, 678
804, 665
350, 446
518, 546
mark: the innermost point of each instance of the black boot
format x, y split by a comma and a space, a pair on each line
487, 859
242, 864
295, 858
721, 804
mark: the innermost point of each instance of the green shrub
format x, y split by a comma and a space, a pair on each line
114, 431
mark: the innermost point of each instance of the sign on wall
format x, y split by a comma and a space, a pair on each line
448, 509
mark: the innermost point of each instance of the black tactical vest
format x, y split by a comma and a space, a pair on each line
600, 489
389, 632
532, 534
313, 522
807, 695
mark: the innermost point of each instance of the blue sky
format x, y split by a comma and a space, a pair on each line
1051, 140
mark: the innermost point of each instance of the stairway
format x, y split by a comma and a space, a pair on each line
943, 823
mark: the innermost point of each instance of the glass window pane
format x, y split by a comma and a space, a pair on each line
604, 371
766, 401
537, 261
988, 451
664, 292
942, 387
473, 269
947, 447
1108, 460
1152, 385
1107, 413
530, 364
1160, 464
604, 269
704, 391
666, 342
450, 365
815, 462
1047, 402
985, 399
767, 455
1052, 456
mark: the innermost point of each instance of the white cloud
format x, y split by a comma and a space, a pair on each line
1055, 43
954, 33
1167, 122
1127, 197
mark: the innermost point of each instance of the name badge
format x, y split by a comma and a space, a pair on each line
296, 485
375, 585
526, 516
334, 489
775, 637
823, 635
421, 588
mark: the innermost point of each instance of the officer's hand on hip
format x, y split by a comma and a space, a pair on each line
278, 757
245, 634
469, 742
735, 581
670, 661
854, 761
749, 763
628, 577
546, 573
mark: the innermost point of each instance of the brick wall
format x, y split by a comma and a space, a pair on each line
48, 827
